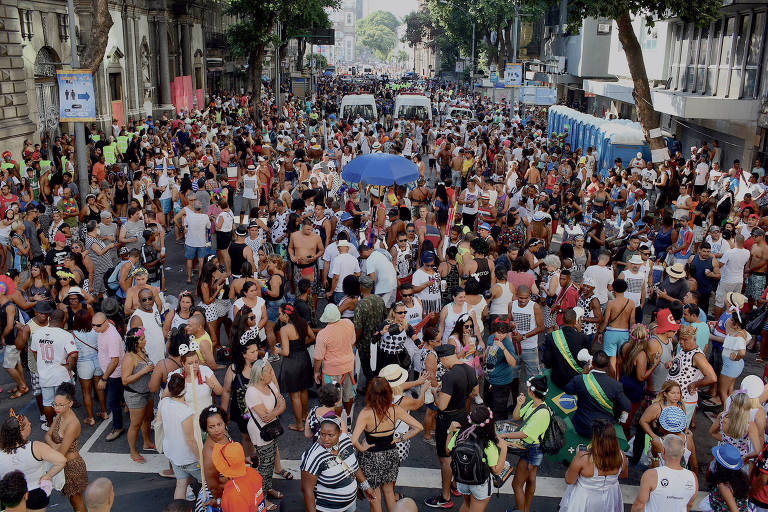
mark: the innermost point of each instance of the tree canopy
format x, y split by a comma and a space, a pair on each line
377, 31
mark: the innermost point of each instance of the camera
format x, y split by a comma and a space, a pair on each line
394, 330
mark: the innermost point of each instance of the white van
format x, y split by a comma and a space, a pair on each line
459, 114
412, 106
363, 104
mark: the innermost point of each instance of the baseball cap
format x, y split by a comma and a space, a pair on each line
485, 226
666, 322
59, 237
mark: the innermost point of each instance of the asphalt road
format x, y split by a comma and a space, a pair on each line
138, 486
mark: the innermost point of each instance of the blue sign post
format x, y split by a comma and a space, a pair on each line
77, 101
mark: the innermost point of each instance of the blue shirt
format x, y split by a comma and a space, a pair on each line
498, 370
702, 318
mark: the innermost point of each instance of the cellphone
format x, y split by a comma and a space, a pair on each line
582, 448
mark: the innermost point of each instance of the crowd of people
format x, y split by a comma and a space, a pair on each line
451, 309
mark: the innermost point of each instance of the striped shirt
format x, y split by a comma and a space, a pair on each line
336, 487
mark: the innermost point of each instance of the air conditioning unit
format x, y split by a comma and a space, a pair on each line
603, 28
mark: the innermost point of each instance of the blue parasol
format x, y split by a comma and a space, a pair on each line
381, 169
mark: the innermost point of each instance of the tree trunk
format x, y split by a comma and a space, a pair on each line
649, 118
302, 48
255, 67
99, 35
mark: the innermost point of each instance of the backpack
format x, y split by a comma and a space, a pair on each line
553, 439
112, 277
468, 460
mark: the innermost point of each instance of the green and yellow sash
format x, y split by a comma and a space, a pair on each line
562, 346
594, 389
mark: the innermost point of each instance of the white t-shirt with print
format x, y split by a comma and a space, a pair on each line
52, 345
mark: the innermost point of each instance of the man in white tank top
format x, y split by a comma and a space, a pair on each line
148, 317
529, 319
668, 488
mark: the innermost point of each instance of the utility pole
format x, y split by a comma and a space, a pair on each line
472, 64
80, 151
278, 96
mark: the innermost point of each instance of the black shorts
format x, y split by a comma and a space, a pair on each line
442, 423
223, 239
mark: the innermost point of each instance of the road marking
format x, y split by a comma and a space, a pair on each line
95, 437
546, 486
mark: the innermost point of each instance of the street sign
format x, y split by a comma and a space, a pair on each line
459, 66
513, 74
322, 36
77, 101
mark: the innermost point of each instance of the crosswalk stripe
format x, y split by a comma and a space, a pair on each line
546, 486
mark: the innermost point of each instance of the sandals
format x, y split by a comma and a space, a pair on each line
271, 507
19, 393
89, 421
150, 448
287, 475
167, 473
140, 459
295, 427
274, 493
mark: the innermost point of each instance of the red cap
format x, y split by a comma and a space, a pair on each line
59, 237
666, 322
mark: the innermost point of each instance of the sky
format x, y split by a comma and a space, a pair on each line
397, 7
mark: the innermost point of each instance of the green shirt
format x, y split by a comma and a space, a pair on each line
491, 450
370, 312
536, 423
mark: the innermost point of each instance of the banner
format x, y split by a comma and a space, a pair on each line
189, 91
513, 74
199, 97
77, 101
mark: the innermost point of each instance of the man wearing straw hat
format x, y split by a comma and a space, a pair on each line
673, 288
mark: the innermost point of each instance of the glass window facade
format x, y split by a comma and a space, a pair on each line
722, 58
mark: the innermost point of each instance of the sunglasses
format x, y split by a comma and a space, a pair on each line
406, 295
400, 312
147, 299
98, 325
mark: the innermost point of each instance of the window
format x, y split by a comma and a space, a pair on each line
349, 19
701, 69
753, 56
725, 57
115, 87
714, 46
738, 59
63, 22
677, 31
690, 84
25, 20
684, 59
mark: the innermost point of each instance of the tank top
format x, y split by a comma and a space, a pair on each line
414, 314
483, 275
500, 305
674, 489
470, 209
686, 453
22, 459
236, 256
317, 227
660, 374
153, 328
525, 318
432, 233
279, 297
450, 320
93, 215
380, 442
452, 281
684, 372
403, 261
142, 384
663, 241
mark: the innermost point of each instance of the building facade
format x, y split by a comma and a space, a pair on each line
150, 44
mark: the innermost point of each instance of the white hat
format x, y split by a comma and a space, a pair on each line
636, 260
313, 140
639, 155
262, 159
331, 314
251, 167
753, 386
579, 312
376, 145
343, 243
588, 281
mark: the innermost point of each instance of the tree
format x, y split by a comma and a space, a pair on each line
96, 36
377, 31
701, 12
320, 61
250, 37
301, 19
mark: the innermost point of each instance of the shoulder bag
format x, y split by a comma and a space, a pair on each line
271, 430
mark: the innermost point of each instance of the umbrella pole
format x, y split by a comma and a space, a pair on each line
198, 434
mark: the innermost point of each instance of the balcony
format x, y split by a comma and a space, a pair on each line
215, 40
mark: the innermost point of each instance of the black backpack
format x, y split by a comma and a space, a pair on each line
553, 439
468, 461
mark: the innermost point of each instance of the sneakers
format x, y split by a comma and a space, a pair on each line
438, 502
44, 427
114, 434
42, 418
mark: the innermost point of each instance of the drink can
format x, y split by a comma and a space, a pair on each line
443, 285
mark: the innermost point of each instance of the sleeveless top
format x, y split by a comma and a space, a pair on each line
432, 233
317, 227
141, 385
93, 215
674, 489
663, 241
471, 196
586, 304
178, 320
452, 281
403, 261
483, 275
500, 305
56, 437
414, 314
22, 459
660, 374
744, 445
381, 443
153, 328
450, 320
684, 372
236, 256
279, 297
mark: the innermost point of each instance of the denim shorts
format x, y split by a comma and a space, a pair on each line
273, 309
48, 395
186, 471
732, 369
480, 492
191, 253
88, 367
533, 454
166, 204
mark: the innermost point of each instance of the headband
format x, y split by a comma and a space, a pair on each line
251, 334
289, 309
64, 273
140, 332
486, 422
192, 347
139, 270
735, 309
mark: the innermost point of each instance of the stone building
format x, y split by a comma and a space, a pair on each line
151, 43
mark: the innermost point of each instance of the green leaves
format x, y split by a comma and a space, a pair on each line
700, 12
377, 32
